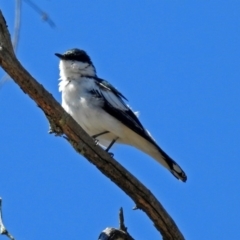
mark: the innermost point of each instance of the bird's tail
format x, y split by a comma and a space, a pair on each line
158, 154
150, 147
169, 163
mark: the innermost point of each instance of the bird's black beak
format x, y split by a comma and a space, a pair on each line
59, 55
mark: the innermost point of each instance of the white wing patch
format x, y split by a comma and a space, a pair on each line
114, 100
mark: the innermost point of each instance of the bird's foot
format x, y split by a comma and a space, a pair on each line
57, 131
111, 154
96, 141
53, 128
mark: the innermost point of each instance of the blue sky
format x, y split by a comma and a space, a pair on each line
177, 62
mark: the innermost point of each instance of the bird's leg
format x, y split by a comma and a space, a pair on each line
97, 135
110, 145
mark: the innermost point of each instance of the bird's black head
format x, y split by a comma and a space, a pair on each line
75, 54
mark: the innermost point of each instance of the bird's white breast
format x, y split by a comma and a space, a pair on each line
86, 110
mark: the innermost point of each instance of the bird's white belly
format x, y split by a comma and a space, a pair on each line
94, 120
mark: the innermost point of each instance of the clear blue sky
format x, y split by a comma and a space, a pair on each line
178, 64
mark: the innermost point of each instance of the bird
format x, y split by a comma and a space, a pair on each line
101, 110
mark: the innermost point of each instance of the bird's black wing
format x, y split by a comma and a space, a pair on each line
113, 104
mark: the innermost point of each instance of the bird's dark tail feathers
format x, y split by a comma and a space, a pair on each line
150, 147
178, 172
170, 164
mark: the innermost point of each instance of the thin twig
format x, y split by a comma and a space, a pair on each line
16, 34
116, 234
17, 26
3, 230
122, 226
44, 15
121, 220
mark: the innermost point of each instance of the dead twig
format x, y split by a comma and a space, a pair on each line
17, 26
16, 33
44, 15
3, 230
116, 234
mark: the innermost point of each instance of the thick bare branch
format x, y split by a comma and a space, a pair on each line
82, 143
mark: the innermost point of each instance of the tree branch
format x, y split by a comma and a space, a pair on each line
44, 15
3, 230
116, 234
16, 31
82, 143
